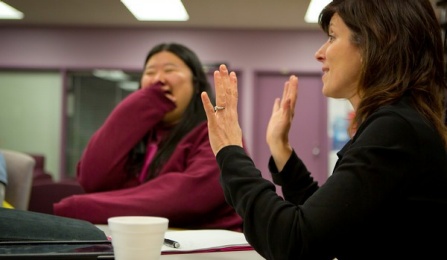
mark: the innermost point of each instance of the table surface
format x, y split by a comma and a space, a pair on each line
232, 255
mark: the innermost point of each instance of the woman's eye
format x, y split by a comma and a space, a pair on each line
331, 38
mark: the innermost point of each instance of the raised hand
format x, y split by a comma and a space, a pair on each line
277, 135
223, 124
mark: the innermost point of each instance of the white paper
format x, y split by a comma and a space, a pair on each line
204, 239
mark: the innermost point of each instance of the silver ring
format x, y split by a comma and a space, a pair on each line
218, 108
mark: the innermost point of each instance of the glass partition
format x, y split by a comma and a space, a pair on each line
90, 97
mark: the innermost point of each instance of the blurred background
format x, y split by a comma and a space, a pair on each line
67, 63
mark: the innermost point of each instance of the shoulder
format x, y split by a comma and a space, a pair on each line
397, 123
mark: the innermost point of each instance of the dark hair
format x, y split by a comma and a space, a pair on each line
193, 115
402, 53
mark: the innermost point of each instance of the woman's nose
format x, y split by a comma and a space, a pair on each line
158, 76
319, 54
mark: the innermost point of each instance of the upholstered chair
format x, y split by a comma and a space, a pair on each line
19, 167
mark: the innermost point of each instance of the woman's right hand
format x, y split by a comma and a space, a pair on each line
278, 128
223, 123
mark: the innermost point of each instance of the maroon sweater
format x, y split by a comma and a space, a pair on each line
187, 190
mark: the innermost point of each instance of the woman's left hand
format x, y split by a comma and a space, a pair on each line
278, 128
223, 124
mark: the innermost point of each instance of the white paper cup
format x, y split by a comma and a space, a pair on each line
137, 237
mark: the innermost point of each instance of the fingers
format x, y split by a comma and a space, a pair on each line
223, 126
293, 91
221, 80
276, 105
207, 105
218, 88
232, 92
285, 93
226, 88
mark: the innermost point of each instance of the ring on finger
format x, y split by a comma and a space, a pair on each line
216, 108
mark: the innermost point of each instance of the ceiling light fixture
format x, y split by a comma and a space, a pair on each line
157, 10
314, 9
112, 75
9, 12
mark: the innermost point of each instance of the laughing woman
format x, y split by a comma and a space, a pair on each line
152, 155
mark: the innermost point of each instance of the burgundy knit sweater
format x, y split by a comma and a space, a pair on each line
187, 190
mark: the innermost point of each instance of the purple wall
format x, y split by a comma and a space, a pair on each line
126, 48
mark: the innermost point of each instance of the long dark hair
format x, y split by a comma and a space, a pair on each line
193, 115
401, 47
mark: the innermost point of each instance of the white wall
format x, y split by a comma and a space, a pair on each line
337, 109
30, 114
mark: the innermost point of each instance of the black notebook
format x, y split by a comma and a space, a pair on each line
30, 235
86, 250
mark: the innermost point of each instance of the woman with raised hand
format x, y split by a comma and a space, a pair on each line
387, 195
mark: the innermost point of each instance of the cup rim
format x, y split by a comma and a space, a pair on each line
136, 220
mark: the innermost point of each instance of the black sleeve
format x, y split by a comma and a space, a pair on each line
295, 180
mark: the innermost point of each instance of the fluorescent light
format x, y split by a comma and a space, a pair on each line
314, 10
129, 85
157, 10
9, 12
113, 75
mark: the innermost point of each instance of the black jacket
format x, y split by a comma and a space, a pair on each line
386, 198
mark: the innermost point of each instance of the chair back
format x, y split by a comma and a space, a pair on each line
19, 167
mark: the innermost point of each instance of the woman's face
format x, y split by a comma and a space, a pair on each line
176, 79
341, 61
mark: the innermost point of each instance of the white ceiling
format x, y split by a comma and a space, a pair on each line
206, 14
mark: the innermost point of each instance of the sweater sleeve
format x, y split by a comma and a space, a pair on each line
101, 166
295, 180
